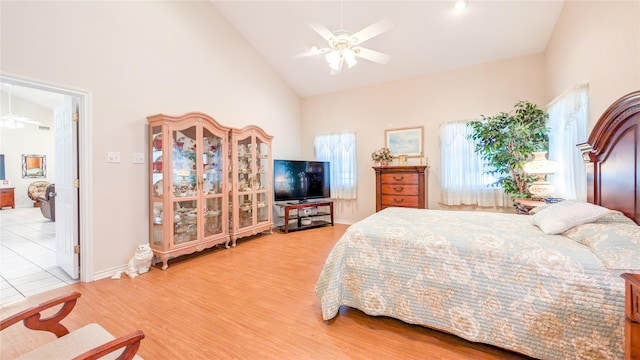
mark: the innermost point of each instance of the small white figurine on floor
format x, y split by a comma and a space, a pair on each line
140, 262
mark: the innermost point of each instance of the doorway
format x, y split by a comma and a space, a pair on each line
77, 215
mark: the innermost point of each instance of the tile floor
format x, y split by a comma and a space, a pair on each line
27, 255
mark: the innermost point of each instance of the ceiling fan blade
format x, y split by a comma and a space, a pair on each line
321, 30
372, 55
311, 53
372, 30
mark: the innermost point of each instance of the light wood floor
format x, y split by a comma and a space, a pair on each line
255, 301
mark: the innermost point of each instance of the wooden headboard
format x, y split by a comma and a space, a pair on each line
612, 154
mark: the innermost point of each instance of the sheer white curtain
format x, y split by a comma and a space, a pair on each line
340, 150
568, 118
463, 180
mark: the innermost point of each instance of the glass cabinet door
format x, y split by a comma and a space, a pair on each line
245, 181
157, 158
184, 176
212, 181
262, 176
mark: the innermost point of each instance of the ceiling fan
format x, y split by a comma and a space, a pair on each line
345, 47
12, 121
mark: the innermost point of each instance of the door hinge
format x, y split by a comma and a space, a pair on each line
75, 117
76, 183
76, 249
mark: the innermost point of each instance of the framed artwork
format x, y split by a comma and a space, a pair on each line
405, 141
34, 166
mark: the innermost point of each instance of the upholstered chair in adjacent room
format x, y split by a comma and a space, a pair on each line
48, 202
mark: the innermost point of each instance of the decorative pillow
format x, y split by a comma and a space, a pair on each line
614, 216
616, 244
562, 216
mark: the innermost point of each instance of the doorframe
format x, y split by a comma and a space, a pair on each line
85, 168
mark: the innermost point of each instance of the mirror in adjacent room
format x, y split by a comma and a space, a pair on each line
34, 166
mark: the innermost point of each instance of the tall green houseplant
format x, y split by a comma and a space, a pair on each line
506, 140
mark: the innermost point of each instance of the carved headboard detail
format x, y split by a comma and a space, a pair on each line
612, 154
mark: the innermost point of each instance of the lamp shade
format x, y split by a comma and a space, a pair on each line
540, 165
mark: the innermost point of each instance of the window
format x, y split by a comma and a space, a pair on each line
340, 150
463, 179
568, 117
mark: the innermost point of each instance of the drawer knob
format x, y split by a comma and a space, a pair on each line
398, 200
398, 178
398, 188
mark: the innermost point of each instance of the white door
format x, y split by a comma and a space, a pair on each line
66, 171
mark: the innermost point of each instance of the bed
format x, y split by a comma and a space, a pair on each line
545, 285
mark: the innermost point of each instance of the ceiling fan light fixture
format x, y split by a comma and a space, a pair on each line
350, 57
334, 59
10, 123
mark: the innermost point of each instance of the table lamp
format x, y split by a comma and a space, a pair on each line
541, 167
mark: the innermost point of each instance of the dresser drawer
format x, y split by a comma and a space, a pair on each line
633, 307
399, 189
400, 178
399, 200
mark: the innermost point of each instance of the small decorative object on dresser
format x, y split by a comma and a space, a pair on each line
401, 186
382, 156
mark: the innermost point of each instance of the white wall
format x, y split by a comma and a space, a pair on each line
139, 58
28, 140
595, 42
427, 101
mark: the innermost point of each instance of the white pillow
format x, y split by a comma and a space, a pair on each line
563, 216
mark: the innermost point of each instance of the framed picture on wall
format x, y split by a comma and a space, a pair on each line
405, 141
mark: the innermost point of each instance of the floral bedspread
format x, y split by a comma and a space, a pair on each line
486, 277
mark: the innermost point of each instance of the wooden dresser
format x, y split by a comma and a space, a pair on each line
632, 314
401, 186
7, 198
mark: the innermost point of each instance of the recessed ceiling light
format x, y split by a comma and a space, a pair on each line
460, 5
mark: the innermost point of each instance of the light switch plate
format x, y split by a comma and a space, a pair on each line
113, 156
138, 158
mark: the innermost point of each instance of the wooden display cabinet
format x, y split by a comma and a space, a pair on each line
188, 193
250, 176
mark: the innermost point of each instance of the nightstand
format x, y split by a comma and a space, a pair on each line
632, 314
523, 206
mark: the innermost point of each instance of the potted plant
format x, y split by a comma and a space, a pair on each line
506, 141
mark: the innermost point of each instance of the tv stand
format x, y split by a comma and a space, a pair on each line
315, 219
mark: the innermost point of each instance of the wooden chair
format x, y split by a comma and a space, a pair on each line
89, 342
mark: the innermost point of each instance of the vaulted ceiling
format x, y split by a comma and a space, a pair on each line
427, 36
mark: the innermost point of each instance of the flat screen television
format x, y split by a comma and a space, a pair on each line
301, 180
